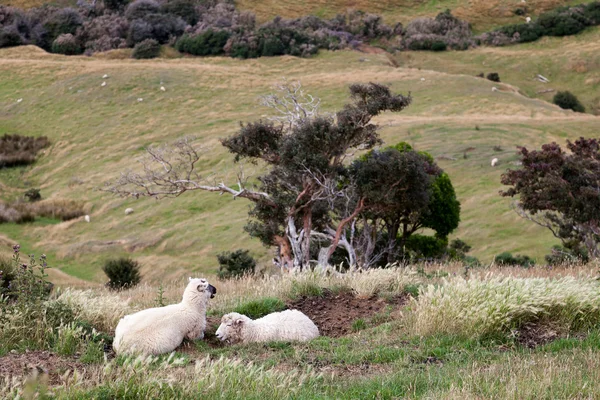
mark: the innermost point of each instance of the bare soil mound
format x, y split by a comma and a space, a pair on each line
37, 363
334, 313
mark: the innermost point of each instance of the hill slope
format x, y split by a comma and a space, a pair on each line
97, 132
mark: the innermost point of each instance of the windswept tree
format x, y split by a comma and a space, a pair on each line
560, 190
404, 191
306, 192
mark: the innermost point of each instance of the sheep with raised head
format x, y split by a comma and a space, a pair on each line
286, 325
494, 162
161, 330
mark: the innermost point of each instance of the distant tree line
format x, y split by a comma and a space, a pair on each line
216, 27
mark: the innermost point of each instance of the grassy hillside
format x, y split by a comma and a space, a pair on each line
570, 63
97, 132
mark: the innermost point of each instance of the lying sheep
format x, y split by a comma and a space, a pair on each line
161, 330
280, 326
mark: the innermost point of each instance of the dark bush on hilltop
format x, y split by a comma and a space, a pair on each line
507, 258
18, 150
139, 9
66, 44
493, 76
430, 33
149, 48
234, 264
106, 32
62, 22
123, 273
160, 27
568, 101
10, 37
207, 43
562, 21
185, 9
115, 4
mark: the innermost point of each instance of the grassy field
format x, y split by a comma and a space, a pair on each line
97, 132
512, 334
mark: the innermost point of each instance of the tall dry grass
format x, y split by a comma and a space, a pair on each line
489, 305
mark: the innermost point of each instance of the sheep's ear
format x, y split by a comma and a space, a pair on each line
239, 321
199, 288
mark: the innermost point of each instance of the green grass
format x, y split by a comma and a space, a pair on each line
259, 308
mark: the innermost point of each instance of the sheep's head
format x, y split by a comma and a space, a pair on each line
198, 289
231, 327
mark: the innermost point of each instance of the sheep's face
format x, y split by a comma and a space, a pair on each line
231, 326
199, 289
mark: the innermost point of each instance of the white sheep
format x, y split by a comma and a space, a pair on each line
128, 211
528, 19
279, 326
494, 162
87, 218
161, 330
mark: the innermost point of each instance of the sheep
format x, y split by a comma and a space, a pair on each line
161, 330
494, 162
528, 19
87, 218
103, 84
128, 211
283, 326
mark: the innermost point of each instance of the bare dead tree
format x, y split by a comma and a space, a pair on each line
292, 104
170, 170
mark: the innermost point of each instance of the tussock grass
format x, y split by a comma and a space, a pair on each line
495, 305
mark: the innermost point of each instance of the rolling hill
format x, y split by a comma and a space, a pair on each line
97, 132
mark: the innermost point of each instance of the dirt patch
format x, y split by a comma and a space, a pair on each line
334, 313
537, 334
38, 363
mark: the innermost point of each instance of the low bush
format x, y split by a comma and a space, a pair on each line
139, 9
506, 258
61, 22
261, 307
235, 264
32, 195
568, 101
16, 150
123, 273
423, 246
207, 43
493, 76
66, 44
146, 49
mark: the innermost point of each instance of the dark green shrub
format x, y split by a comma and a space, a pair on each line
64, 21
493, 76
564, 22
32, 195
148, 48
185, 9
592, 12
140, 9
568, 101
207, 43
438, 46
506, 258
259, 308
66, 44
234, 264
115, 4
10, 37
122, 273
426, 246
